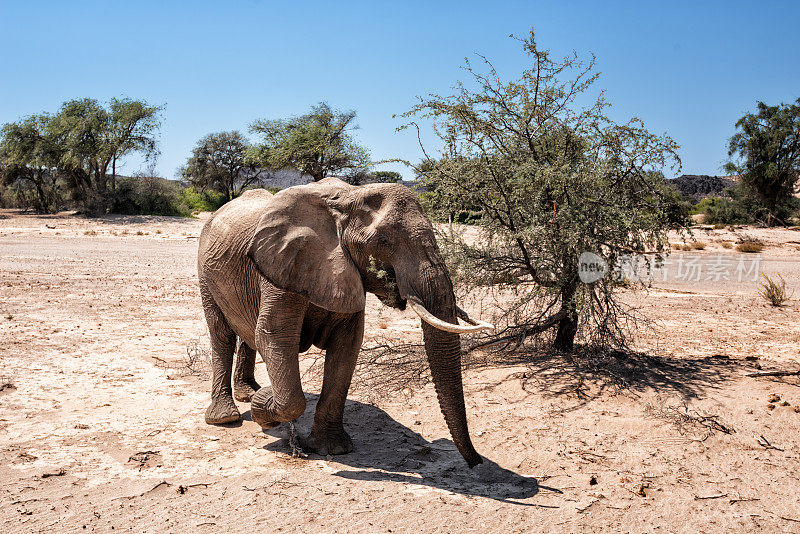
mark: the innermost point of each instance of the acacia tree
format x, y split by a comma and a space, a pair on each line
550, 181
131, 128
30, 156
220, 162
92, 138
768, 151
387, 177
318, 143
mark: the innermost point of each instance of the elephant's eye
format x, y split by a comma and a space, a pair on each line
383, 239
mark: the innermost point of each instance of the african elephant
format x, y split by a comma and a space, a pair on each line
285, 271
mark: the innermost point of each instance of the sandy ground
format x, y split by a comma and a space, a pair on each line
97, 432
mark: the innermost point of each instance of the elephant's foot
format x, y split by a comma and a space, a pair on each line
244, 390
331, 442
222, 410
260, 408
266, 413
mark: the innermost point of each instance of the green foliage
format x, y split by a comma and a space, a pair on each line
389, 177
29, 164
767, 145
193, 199
220, 161
550, 181
72, 155
392, 293
676, 206
740, 207
318, 144
148, 195
721, 210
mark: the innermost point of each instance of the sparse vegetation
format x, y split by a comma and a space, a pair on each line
726, 244
699, 245
774, 292
750, 247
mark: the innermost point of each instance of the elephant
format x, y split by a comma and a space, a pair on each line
282, 272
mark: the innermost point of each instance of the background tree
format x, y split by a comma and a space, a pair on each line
29, 161
318, 143
768, 151
550, 181
92, 138
131, 125
220, 162
389, 177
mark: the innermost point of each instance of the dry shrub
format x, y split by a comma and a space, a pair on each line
89, 232
686, 247
699, 245
196, 362
726, 244
684, 419
750, 247
773, 292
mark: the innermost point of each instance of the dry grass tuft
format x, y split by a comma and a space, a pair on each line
699, 245
726, 244
750, 247
90, 232
773, 292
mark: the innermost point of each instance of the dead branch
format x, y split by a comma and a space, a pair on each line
774, 373
706, 497
764, 442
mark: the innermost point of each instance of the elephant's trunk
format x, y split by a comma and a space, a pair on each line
443, 349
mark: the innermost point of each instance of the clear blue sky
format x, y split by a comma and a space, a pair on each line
689, 69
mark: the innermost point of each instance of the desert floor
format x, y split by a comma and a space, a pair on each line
101, 416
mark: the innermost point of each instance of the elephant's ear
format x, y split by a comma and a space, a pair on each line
297, 247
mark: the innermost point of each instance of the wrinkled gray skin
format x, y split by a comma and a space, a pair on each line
287, 271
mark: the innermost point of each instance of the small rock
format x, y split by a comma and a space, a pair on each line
770, 406
774, 398
785, 403
593, 481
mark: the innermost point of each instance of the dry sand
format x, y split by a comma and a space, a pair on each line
98, 433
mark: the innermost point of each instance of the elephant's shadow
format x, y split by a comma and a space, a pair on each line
388, 450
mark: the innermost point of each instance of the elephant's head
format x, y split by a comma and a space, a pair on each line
332, 242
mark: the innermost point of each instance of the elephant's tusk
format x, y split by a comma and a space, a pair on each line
461, 314
432, 320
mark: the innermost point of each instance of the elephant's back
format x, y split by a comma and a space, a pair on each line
224, 269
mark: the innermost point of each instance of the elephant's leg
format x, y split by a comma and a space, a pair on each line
244, 382
223, 342
328, 435
280, 322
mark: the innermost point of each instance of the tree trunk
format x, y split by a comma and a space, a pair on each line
568, 326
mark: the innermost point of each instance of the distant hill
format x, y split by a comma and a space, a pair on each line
700, 186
